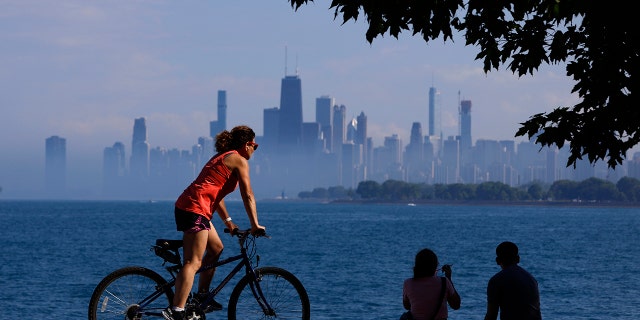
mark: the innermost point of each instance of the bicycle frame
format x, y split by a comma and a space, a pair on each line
244, 261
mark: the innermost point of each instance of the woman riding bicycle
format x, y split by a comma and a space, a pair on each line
195, 206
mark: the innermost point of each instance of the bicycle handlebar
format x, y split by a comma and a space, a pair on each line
243, 233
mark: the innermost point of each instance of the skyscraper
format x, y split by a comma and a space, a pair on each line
388, 159
113, 168
434, 112
312, 143
414, 155
351, 163
339, 128
221, 124
207, 149
139, 163
271, 125
290, 126
416, 134
361, 138
465, 124
324, 116
394, 145
361, 132
450, 170
351, 130
55, 165
465, 132
323, 110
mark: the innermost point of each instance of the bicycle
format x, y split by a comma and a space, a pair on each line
136, 293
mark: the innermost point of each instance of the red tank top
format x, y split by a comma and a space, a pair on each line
214, 182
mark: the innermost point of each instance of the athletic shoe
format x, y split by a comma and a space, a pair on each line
170, 314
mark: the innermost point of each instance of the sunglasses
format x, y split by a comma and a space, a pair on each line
254, 145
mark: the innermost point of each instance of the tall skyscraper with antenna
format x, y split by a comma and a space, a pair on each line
465, 131
434, 112
465, 124
290, 124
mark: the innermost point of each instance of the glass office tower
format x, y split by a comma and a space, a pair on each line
290, 124
324, 116
139, 164
216, 127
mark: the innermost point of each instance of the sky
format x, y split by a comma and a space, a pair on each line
84, 70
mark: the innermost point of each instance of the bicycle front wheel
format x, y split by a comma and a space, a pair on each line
282, 291
131, 293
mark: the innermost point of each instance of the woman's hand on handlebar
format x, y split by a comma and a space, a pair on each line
258, 230
231, 226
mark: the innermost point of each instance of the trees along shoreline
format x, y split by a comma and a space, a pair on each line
592, 191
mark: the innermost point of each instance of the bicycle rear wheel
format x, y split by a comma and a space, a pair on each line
122, 294
282, 291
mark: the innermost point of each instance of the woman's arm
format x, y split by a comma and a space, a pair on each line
224, 215
240, 166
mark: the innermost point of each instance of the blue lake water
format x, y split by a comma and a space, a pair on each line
352, 258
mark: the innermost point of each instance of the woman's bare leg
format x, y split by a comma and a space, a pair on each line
193, 249
214, 249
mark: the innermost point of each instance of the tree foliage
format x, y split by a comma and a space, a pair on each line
593, 189
564, 190
369, 189
597, 40
630, 187
535, 191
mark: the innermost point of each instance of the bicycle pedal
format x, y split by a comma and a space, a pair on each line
211, 308
194, 315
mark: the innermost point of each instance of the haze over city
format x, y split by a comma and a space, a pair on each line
85, 70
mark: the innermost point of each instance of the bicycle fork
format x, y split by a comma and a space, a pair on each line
257, 293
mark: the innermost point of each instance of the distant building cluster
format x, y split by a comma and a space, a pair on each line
332, 151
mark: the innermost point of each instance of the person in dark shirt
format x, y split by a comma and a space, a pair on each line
513, 292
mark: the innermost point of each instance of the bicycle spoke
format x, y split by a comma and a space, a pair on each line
118, 296
282, 291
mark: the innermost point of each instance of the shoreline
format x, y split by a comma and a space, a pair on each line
542, 203
495, 203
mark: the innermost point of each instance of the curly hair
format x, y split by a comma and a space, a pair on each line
234, 139
426, 264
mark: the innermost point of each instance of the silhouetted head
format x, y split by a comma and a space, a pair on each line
507, 254
426, 264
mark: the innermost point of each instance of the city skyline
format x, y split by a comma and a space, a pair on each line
303, 157
83, 70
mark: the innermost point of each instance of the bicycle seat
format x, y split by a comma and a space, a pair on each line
169, 244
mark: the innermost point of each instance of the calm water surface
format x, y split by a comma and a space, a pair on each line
352, 259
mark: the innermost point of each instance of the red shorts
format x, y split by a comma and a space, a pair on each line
190, 222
